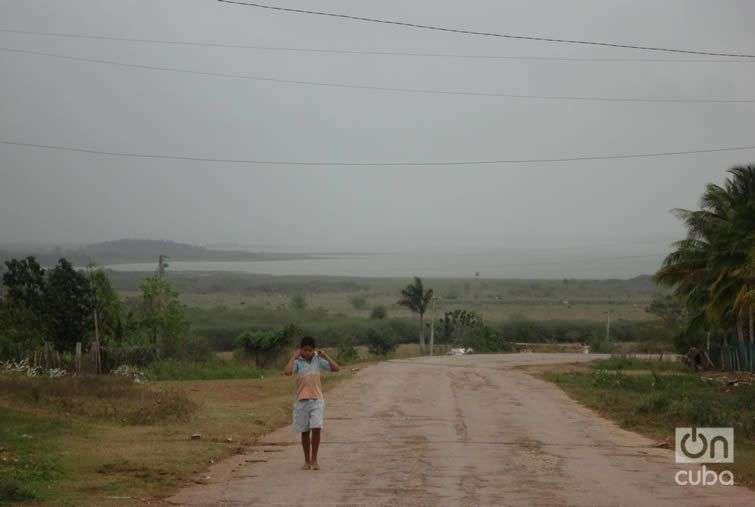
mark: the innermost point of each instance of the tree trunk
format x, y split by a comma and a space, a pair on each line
421, 333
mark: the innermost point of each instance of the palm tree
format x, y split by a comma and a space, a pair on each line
713, 268
417, 299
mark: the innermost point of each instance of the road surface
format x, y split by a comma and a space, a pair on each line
469, 430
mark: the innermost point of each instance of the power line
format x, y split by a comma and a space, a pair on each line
372, 164
488, 34
375, 52
388, 88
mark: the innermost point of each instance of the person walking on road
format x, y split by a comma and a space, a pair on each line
309, 404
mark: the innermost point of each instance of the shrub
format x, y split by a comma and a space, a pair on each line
267, 347
346, 351
380, 344
298, 302
359, 302
379, 313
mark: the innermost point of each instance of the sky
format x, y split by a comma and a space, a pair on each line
68, 198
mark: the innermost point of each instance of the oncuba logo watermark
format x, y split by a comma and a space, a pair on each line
701, 446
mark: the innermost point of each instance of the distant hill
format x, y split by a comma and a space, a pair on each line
141, 250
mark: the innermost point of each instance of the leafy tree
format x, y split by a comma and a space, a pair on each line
298, 302
483, 339
417, 299
713, 269
107, 306
24, 302
346, 351
68, 300
359, 302
25, 285
380, 344
379, 313
456, 325
161, 315
267, 345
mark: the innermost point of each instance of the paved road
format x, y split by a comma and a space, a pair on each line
468, 430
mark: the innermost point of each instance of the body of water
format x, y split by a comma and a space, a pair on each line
532, 264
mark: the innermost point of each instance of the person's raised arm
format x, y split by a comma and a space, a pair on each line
289, 369
331, 362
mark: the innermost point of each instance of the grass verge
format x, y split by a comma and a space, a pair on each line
216, 369
29, 463
654, 403
102, 460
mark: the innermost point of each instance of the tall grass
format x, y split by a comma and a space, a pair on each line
105, 397
216, 369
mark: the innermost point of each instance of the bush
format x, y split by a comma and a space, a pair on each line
298, 302
379, 313
380, 343
485, 340
599, 344
268, 347
359, 302
346, 351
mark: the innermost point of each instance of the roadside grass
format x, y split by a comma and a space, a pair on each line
214, 369
103, 460
621, 363
105, 397
654, 403
29, 463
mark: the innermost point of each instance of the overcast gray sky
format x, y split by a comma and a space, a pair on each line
58, 197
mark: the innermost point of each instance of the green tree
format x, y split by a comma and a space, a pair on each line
417, 299
457, 325
25, 283
107, 306
22, 320
712, 269
359, 302
68, 301
379, 313
298, 302
267, 346
380, 343
161, 315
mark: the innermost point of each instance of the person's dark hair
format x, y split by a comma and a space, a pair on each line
307, 341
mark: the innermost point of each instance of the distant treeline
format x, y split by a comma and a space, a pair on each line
222, 325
